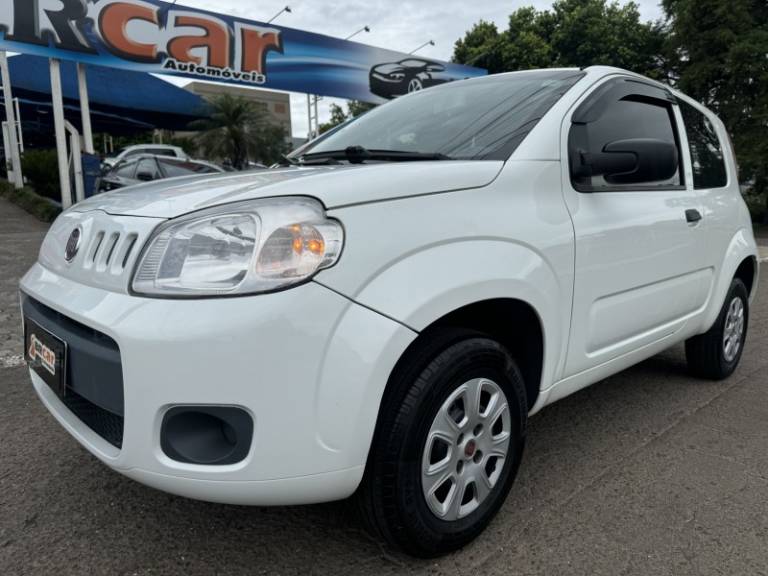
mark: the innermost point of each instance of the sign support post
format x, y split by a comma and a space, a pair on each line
61, 133
77, 161
85, 108
10, 115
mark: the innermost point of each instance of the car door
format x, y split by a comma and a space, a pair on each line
640, 250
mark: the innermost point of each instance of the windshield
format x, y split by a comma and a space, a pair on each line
480, 119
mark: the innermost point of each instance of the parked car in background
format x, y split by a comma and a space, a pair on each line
382, 319
399, 78
143, 149
138, 169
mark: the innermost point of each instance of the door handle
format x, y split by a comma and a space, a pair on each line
693, 216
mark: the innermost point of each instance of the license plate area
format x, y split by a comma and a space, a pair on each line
46, 355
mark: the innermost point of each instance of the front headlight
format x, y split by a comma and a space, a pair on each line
243, 248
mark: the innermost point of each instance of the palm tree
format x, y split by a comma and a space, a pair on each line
239, 130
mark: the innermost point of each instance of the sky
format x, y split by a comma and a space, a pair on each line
401, 25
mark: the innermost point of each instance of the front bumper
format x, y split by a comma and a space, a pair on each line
309, 365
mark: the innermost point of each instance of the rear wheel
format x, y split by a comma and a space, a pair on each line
448, 444
716, 354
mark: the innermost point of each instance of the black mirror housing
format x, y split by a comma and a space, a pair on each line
631, 161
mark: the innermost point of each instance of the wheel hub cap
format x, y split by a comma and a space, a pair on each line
733, 333
466, 447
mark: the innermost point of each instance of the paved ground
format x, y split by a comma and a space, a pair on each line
647, 473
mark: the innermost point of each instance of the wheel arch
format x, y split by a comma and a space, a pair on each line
512, 322
739, 261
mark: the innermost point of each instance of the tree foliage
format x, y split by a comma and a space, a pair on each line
238, 130
338, 116
573, 33
718, 54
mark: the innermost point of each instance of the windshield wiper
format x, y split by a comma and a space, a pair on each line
358, 155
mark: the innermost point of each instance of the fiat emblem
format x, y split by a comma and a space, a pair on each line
73, 244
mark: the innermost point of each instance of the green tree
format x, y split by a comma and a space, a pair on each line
573, 33
238, 130
338, 116
718, 53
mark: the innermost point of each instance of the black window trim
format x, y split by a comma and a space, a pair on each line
616, 89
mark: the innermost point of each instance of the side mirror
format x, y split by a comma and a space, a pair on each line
145, 176
633, 161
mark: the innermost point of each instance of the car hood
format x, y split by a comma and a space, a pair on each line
335, 186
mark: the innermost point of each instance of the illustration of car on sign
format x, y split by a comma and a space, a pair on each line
411, 75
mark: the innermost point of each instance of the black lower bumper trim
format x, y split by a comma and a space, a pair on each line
94, 378
106, 424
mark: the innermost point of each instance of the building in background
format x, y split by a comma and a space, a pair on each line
276, 104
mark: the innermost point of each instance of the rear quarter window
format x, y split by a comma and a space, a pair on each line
706, 149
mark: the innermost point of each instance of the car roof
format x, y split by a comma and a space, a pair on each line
170, 159
165, 146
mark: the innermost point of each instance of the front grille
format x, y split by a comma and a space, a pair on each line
109, 252
94, 371
106, 424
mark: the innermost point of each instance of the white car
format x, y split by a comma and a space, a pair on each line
143, 150
382, 318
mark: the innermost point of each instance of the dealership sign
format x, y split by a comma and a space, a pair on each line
158, 37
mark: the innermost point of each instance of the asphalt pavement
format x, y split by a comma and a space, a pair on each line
650, 472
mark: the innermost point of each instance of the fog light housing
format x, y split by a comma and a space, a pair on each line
206, 435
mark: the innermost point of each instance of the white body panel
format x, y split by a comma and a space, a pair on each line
613, 279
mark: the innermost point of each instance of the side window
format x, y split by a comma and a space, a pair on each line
706, 150
650, 125
173, 169
163, 152
125, 169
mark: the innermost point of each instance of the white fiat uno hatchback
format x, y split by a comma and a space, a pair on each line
380, 316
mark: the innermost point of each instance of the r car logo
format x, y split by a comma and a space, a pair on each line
73, 245
47, 357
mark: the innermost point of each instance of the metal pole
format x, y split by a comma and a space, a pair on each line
77, 161
18, 124
7, 152
309, 116
430, 43
61, 133
18, 180
317, 117
85, 108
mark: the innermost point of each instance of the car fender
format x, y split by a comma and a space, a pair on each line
407, 296
741, 247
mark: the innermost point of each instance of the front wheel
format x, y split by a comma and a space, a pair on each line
716, 354
448, 445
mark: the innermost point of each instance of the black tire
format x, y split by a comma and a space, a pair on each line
706, 353
390, 497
